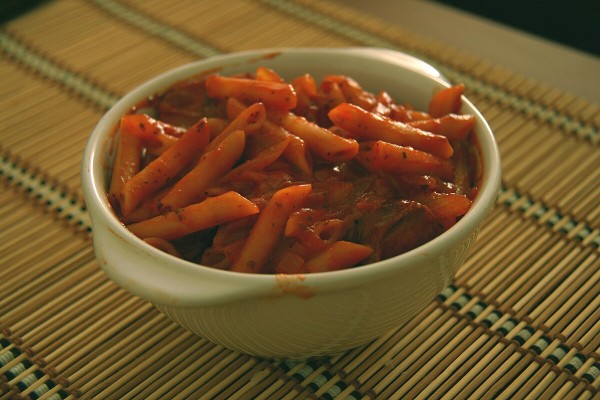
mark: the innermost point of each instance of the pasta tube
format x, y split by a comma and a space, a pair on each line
339, 255
276, 95
268, 228
166, 166
211, 212
321, 141
212, 166
404, 160
370, 126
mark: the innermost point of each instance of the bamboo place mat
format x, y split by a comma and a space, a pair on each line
521, 319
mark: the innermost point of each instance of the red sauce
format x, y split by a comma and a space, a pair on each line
362, 198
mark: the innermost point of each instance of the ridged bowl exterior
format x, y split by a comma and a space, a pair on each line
293, 326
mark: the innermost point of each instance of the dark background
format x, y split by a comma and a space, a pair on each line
574, 23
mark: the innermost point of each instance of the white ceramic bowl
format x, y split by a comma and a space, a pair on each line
292, 316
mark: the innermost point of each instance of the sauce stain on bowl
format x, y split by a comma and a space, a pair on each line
293, 284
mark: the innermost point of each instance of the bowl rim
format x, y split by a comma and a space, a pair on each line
95, 193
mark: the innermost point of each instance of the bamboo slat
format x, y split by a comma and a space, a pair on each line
520, 320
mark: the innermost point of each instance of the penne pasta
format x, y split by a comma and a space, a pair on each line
163, 245
370, 126
306, 92
290, 263
267, 74
216, 126
448, 207
211, 167
156, 174
269, 226
262, 160
321, 141
256, 174
150, 129
157, 136
332, 94
352, 91
446, 101
453, 126
403, 113
248, 120
211, 212
405, 160
296, 152
234, 231
275, 95
126, 164
339, 255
